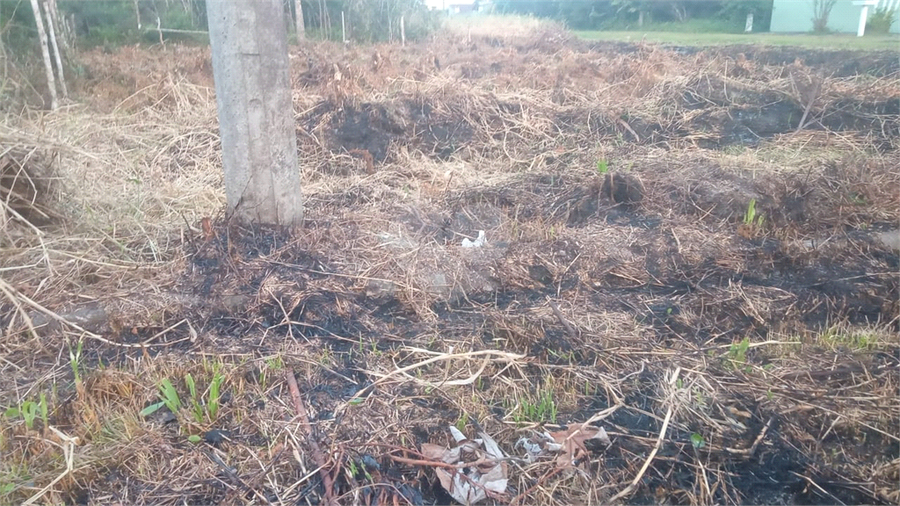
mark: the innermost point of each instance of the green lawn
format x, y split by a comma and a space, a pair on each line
831, 41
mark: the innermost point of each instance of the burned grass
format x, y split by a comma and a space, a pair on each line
699, 263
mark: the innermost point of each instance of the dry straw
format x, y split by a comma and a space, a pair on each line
658, 321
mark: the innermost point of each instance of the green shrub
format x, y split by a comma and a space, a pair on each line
881, 20
380, 21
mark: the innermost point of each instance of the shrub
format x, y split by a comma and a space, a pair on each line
821, 11
881, 20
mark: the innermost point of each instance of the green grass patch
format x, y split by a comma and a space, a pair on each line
854, 340
817, 41
541, 409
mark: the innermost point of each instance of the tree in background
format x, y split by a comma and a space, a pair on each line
821, 11
299, 23
631, 9
737, 11
115, 22
728, 15
881, 20
371, 21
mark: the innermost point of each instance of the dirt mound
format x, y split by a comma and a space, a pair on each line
833, 63
377, 127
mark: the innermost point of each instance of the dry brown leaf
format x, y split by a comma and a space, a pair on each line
572, 442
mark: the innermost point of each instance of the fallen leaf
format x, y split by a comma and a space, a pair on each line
572, 441
569, 444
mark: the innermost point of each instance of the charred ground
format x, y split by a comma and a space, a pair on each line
697, 240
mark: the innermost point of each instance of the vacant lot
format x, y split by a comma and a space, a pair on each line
694, 250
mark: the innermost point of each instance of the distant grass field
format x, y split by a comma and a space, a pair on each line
830, 41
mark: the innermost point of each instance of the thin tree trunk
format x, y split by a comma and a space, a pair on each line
322, 18
56, 53
62, 30
137, 14
5, 71
298, 19
45, 51
73, 35
328, 18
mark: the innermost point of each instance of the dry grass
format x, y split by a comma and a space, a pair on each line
718, 357
498, 25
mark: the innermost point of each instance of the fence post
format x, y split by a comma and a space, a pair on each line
402, 32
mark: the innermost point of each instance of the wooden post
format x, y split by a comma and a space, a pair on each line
59, 65
343, 29
256, 120
402, 32
45, 51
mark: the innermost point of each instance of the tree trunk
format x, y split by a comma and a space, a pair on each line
137, 14
48, 65
56, 53
324, 19
298, 19
62, 32
256, 121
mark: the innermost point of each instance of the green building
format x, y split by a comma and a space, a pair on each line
796, 15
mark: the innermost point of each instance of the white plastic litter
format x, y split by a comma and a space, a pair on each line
477, 243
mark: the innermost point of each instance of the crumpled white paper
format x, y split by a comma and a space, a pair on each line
470, 484
477, 243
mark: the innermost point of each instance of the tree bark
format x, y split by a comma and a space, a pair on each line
256, 121
45, 51
323, 20
62, 31
56, 53
298, 19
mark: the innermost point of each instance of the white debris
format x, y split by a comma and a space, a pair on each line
477, 243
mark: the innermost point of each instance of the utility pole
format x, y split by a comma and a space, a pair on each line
256, 120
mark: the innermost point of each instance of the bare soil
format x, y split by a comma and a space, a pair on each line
693, 240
